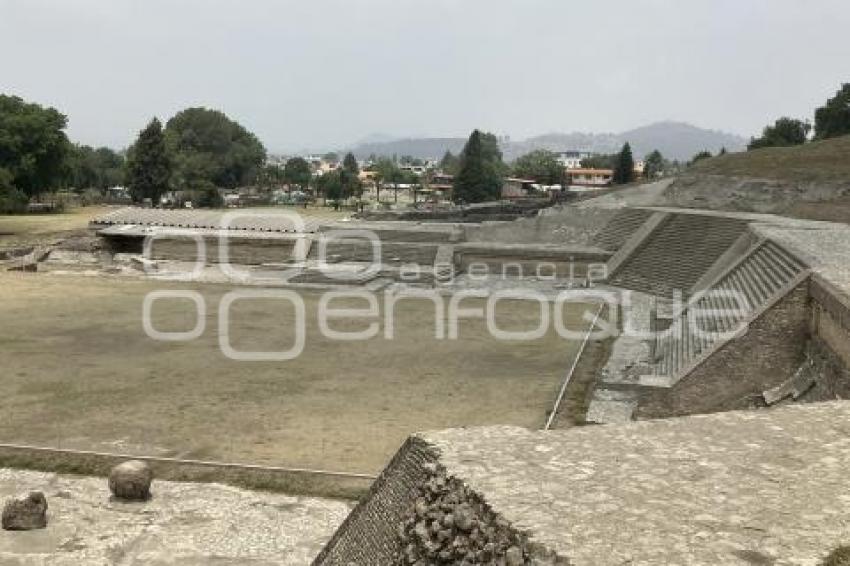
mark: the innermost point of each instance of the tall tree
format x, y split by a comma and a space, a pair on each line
833, 118
541, 165
297, 172
481, 169
653, 165
330, 185
386, 171
349, 164
206, 145
350, 177
271, 175
449, 164
148, 164
99, 168
11, 199
624, 170
33, 145
784, 132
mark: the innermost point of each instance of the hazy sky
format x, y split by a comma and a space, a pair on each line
314, 73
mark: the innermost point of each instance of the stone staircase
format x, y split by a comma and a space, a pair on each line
626, 222
677, 253
717, 314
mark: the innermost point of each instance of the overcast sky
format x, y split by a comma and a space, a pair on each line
316, 73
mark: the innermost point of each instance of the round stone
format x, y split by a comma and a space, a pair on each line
131, 480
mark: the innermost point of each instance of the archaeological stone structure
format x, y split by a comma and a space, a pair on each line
711, 312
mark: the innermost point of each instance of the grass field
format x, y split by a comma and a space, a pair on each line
820, 161
79, 372
45, 229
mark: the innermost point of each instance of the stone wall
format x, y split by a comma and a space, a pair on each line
830, 345
369, 536
417, 513
768, 353
561, 225
241, 250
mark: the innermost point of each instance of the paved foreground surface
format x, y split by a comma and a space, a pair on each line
766, 487
186, 524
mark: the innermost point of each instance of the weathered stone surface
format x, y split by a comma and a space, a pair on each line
186, 524
131, 480
26, 512
709, 489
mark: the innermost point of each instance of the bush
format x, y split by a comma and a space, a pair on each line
12, 201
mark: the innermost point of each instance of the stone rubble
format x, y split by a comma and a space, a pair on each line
25, 513
450, 524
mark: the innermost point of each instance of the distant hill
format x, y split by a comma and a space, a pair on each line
675, 140
423, 148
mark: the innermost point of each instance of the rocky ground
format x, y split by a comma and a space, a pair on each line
183, 524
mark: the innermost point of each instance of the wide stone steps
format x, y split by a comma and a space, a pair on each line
625, 223
678, 253
747, 287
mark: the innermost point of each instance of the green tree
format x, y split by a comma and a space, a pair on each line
653, 165
271, 175
704, 154
449, 164
541, 165
349, 164
603, 161
481, 170
833, 118
11, 199
207, 195
386, 171
624, 170
33, 145
350, 177
148, 164
99, 168
331, 157
297, 172
206, 145
784, 132
330, 185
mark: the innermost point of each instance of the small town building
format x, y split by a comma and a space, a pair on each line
517, 188
591, 177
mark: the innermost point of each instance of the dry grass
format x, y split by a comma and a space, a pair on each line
79, 372
41, 229
821, 161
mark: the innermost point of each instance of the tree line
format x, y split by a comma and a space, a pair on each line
831, 120
197, 151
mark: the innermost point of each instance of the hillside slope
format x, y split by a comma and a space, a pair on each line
820, 161
810, 181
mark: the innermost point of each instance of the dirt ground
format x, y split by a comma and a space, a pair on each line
80, 372
46, 229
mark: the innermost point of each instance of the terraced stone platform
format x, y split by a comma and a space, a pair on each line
737, 488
